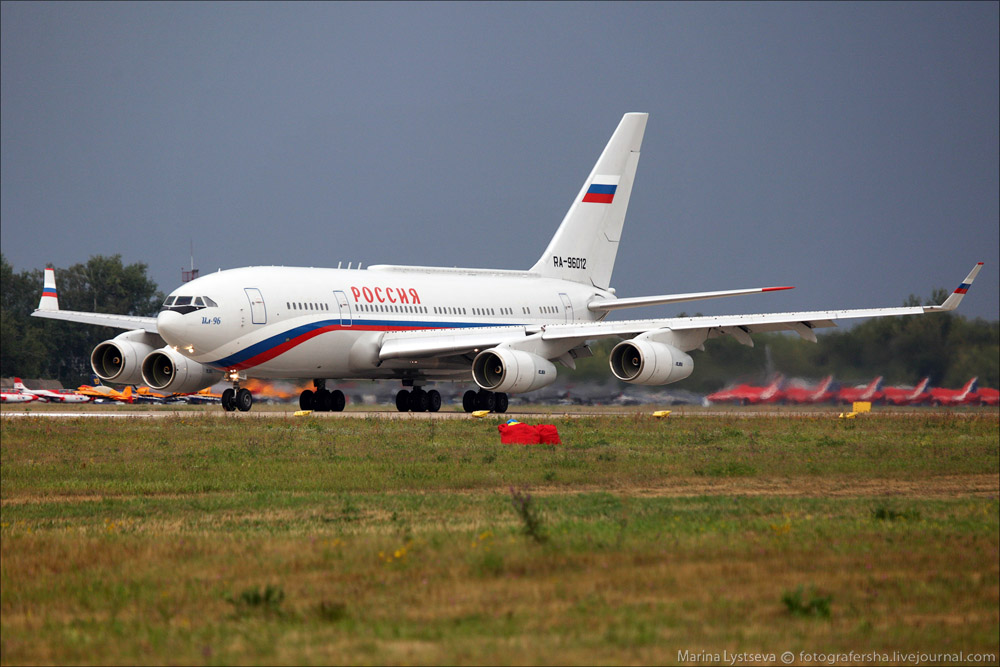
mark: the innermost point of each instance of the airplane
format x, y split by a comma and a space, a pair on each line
987, 396
871, 392
501, 329
147, 395
200, 397
49, 396
745, 394
98, 391
16, 397
904, 396
810, 395
952, 397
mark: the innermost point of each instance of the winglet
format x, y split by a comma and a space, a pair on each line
50, 297
955, 298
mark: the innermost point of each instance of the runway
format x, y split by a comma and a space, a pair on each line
535, 414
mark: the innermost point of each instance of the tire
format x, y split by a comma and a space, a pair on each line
322, 400
485, 400
500, 402
433, 400
337, 400
469, 401
403, 400
229, 400
307, 400
419, 400
244, 400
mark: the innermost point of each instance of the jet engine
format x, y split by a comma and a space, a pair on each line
506, 370
647, 362
120, 359
167, 369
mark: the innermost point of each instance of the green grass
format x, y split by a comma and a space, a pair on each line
203, 539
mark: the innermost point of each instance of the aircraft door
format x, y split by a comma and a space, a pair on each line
345, 308
567, 306
258, 313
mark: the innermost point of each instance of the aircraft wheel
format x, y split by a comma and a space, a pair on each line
307, 400
337, 400
419, 400
500, 402
322, 400
433, 400
244, 400
469, 400
229, 400
403, 400
485, 400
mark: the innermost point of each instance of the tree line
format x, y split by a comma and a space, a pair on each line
948, 347
33, 347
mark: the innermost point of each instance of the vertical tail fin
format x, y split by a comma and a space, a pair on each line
50, 297
586, 244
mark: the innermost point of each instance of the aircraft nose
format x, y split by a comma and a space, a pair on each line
170, 326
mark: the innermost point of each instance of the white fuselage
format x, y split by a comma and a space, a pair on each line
285, 322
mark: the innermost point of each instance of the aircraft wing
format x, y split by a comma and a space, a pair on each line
103, 319
688, 332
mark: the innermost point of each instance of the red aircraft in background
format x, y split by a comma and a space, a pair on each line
987, 396
905, 396
16, 397
810, 395
967, 394
50, 395
745, 394
872, 392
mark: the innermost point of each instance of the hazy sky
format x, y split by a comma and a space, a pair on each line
850, 150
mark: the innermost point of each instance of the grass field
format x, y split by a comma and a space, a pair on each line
203, 539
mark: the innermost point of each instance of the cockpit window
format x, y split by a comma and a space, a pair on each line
187, 304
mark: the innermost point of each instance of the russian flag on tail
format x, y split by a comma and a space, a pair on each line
602, 190
50, 296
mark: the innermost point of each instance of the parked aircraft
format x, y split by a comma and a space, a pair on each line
966, 394
745, 394
987, 396
501, 329
871, 392
50, 396
99, 391
199, 397
16, 397
147, 395
811, 395
906, 395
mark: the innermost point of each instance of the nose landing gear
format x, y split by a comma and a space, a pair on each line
237, 398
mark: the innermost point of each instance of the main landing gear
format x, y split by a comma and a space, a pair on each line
237, 398
484, 400
322, 400
418, 400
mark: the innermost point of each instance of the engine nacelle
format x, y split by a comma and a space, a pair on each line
120, 359
513, 371
642, 361
167, 369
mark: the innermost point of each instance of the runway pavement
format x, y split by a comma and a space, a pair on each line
533, 414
